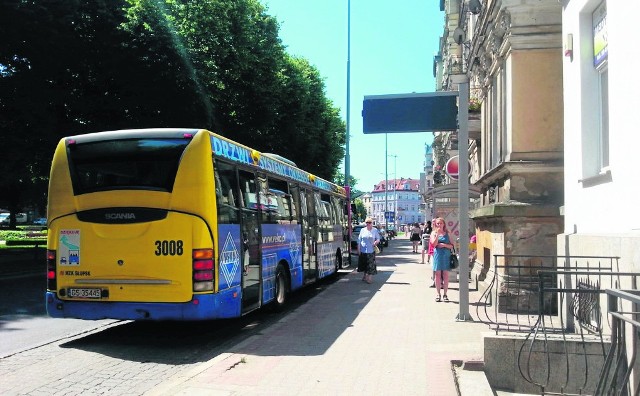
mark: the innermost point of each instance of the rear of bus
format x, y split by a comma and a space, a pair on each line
132, 228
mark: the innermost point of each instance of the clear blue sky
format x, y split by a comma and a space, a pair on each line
392, 49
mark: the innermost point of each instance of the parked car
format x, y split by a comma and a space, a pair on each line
354, 236
356, 231
40, 221
21, 218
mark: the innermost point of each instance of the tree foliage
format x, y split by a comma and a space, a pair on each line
77, 66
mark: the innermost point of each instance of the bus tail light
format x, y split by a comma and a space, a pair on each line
52, 280
203, 270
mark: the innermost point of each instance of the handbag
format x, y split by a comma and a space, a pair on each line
453, 260
376, 249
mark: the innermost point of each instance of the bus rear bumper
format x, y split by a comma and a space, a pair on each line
225, 304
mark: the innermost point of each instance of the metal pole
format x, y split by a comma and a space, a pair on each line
395, 192
463, 194
347, 158
386, 178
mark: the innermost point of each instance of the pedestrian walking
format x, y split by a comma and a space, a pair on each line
441, 239
368, 240
426, 243
415, 237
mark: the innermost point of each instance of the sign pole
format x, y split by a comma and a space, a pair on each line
386, 179
463, 194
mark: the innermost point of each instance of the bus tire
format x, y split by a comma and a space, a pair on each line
282, 288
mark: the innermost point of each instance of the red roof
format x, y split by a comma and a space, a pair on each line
414, 185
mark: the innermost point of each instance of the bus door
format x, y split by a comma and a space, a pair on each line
310, 231
250, 235
299, 212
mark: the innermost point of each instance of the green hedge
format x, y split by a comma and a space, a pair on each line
22, 238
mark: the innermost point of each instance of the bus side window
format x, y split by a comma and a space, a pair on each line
248, 190
327, 217
281, 213
265, 200
294, 200
338, 216
225, 178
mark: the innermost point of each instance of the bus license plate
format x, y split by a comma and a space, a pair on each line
84, 293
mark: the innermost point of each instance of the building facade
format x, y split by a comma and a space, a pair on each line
511, 54
401, 199
600, 105
366, 202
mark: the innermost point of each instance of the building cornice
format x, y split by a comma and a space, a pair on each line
518, 168
503, 210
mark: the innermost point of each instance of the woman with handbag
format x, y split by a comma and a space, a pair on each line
442, 242
368, 241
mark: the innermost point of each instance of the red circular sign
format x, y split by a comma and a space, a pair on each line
451, 168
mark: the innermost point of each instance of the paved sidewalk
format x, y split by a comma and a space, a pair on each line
386, 338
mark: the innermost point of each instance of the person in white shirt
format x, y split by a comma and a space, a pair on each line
368, 239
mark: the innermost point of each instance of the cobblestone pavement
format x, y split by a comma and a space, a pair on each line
354, 338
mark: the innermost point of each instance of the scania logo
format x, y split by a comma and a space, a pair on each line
120, 216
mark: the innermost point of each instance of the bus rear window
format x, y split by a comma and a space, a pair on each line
138, 164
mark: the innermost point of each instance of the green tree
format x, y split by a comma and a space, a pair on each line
76, 66
262, 97
361, 211
66, 68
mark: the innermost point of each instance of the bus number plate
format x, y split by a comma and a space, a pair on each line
84, 293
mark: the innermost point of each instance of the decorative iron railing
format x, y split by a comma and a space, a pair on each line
620, 374
512, 300
567, 343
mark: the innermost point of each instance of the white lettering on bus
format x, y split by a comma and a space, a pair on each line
230, 151
120, 216
274, 239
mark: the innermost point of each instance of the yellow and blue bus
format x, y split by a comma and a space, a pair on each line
183, 224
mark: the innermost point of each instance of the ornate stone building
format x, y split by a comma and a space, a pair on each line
511, 53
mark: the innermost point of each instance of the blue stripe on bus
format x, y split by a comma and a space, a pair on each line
281, 242
209, 306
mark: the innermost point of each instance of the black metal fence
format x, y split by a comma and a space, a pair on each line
513, 302
554, 304
620, 372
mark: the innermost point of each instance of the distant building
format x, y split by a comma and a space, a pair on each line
426, 182
402, 199
366, 201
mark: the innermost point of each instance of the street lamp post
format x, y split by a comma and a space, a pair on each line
347, 157
386, 180
395, 193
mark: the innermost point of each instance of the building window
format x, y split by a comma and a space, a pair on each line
595, 133
604, 118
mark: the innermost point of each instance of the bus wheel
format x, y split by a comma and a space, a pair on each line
281, 287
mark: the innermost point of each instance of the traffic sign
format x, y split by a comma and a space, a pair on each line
451, 168
390, 216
